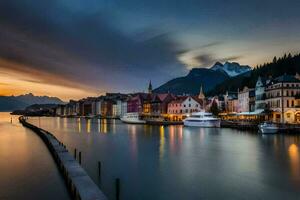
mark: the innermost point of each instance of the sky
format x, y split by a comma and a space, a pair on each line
77, 48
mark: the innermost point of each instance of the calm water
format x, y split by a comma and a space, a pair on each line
175, 162
27, 170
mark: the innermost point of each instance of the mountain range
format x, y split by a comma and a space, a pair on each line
209, 78
10, 103
231, 69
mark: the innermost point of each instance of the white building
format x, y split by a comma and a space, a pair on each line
283, 99
123, 108
98, 107
260, 93
185, 105
114, 110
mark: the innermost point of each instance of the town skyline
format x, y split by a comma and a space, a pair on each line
74, 49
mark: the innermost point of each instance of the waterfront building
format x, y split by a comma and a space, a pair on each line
135, 103
244, 99
157, 104
260, 95
123, 108
283, 99
231, 102
107, 108
184, 105
60, 110
87, 108
71, 108
98, 106
252, 100
114, 110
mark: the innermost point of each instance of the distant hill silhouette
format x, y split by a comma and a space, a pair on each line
208, 77
191, 83
10, 103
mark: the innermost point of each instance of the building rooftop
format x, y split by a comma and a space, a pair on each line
287, 79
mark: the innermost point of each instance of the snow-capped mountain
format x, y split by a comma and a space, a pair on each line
231, 69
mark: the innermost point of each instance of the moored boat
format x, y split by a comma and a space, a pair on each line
132, 118
268, 128
202, 119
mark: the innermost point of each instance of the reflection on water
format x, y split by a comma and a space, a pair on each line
99, 125
295, 165
27, 170
79, 125
103, 125
88, 125
177, 162
133, 141
161, 141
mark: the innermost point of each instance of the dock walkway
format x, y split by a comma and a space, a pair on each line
80, 185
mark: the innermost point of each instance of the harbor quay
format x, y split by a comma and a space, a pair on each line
275, 100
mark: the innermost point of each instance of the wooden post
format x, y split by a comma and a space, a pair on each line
75, 153
117, 188
79, 157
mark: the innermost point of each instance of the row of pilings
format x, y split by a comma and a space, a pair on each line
79, 184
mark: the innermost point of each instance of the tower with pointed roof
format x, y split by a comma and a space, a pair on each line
201, 97
201, 94
150, 88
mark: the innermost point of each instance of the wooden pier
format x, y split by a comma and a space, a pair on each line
80, 185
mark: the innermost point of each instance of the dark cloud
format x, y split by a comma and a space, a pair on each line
83, 47
115, 44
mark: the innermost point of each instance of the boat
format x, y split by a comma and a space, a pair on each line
268, 128
202, 119
132, 118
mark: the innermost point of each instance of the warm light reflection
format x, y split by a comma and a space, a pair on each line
104, 126
65, 123
161, 141
99, 125
88, 126
294, 159
79, 125
133, 140
57, 122
172, 138
180, 133
113, 126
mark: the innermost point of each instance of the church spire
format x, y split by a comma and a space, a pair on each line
150, 88
201, 94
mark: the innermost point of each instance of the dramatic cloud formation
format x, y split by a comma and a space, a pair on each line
93, 46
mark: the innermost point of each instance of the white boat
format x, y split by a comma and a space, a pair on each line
202, 119
132, 118
268, 128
